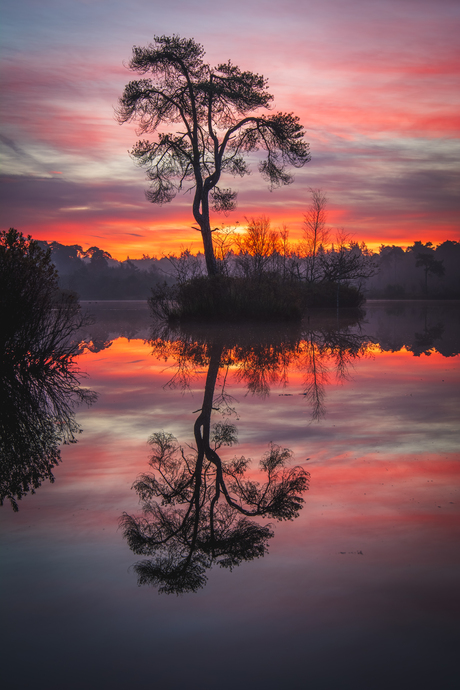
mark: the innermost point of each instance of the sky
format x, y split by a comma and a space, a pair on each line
375, 83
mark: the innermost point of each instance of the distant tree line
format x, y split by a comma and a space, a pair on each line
420, 270
93, 274
329, 263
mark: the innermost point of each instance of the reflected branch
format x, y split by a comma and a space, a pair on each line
323, 349
191, 519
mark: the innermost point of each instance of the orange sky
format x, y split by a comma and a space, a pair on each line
380, 107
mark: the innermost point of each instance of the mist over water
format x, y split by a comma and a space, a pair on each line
358, 591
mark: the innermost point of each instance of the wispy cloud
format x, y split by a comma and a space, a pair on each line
375, 84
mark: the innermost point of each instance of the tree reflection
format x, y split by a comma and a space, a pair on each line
197, 507
322, 349
328, 350
40, 389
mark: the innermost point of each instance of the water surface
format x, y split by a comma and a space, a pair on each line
359, 591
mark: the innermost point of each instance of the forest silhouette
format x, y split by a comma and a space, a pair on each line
93, 274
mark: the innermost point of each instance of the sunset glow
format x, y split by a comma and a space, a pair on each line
375, 85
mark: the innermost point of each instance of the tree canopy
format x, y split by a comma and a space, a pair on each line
214, 109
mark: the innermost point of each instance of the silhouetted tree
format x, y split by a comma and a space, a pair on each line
38, 375
316, 234
213, 108
99, 258
346, 262
258, 247
28, 282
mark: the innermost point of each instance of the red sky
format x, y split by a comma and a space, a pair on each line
375, 83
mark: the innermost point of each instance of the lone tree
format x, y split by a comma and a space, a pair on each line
316, 234
212, 107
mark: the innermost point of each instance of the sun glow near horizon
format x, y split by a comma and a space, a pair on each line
173, 238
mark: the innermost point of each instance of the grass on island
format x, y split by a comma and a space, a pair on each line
265, 298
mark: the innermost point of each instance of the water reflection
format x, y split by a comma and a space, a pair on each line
322, 349
384, 482
419, 327
40, 390
196, 506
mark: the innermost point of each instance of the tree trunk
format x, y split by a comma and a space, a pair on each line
211, 263
202, 218
203, 422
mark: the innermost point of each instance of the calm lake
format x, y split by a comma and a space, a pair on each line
359, 591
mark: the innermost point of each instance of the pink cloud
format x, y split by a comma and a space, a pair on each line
368, 81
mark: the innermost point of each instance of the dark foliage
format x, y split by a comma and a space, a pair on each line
39, 378
264, 298
196, 509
